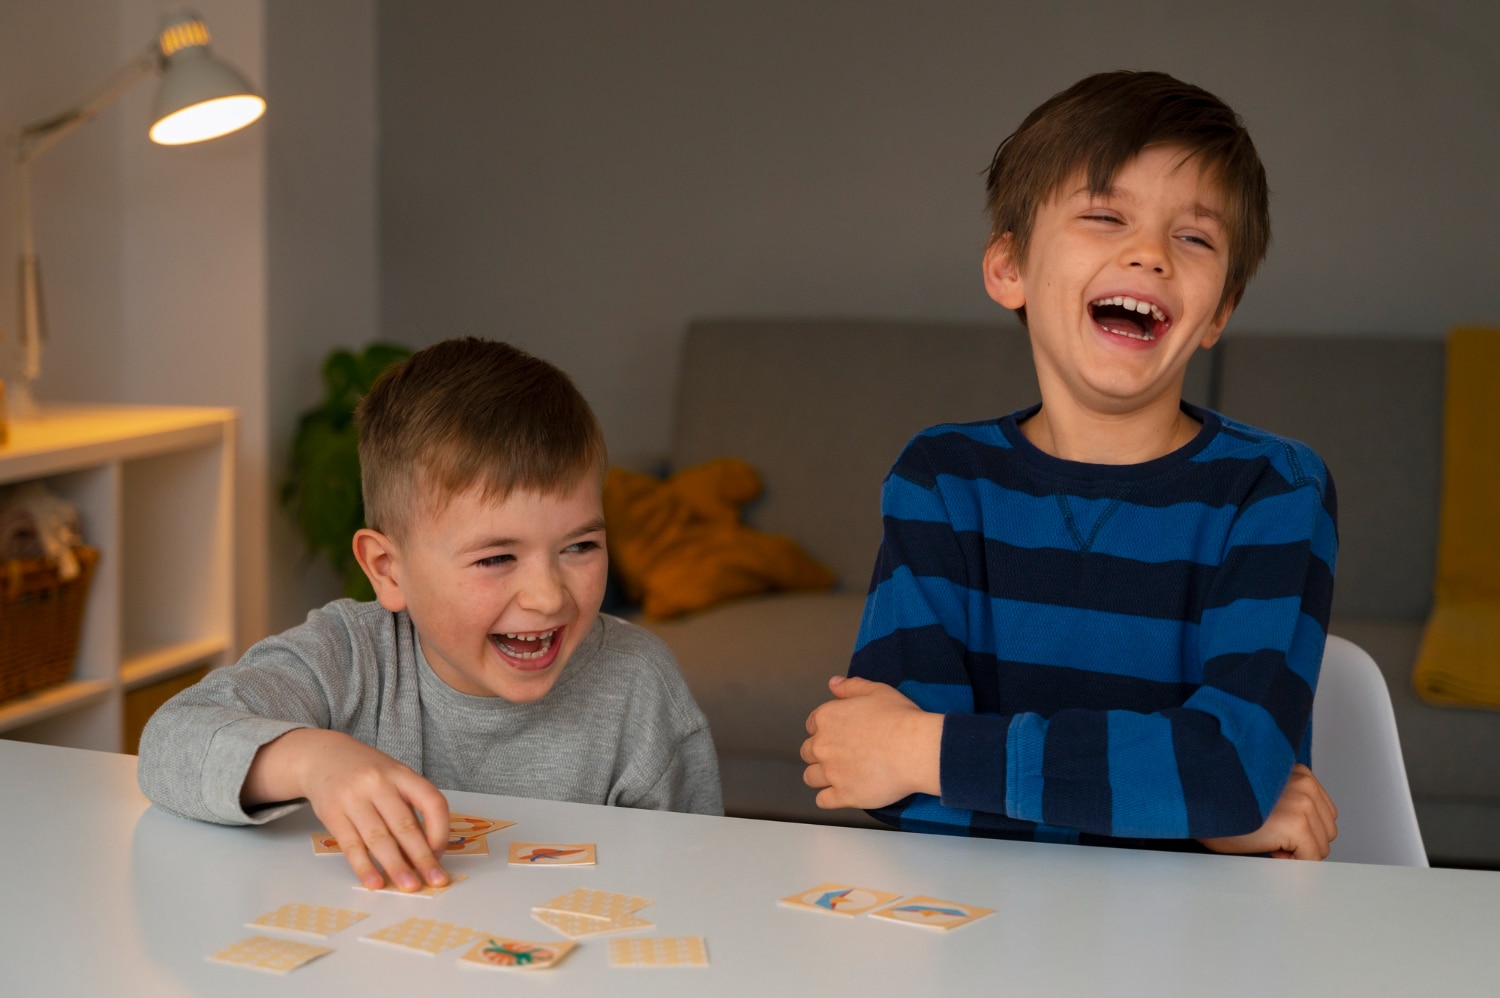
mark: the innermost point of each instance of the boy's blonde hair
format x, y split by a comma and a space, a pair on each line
465, 413
1102, 122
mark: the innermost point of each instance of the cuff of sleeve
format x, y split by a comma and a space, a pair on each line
227, 763
973, 763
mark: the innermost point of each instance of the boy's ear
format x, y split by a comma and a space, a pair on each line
1217, 329
377, 555
1002, 273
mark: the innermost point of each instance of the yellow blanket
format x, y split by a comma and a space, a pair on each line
1459, 663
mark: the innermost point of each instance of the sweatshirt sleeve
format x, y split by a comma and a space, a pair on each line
690, 781
1213, 765
197, 749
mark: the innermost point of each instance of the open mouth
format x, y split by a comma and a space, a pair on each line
1123, 315
524, 647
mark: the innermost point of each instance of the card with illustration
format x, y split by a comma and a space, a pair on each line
839, 899
462, 827
603, 905
934, 913
421, 935
583, 926
316, 920
553, 854
324, 844
277, 956
427, 891
499, 953
658, 951
468, 847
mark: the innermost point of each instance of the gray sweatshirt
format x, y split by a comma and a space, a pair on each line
619, 727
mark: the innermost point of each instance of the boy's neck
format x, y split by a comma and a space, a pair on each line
1075, 433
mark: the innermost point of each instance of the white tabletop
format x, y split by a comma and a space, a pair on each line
102, 894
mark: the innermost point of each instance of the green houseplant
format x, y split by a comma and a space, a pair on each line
321, 488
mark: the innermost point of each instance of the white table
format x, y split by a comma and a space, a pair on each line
103, 895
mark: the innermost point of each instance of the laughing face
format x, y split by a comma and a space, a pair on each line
1120, 288
501, 592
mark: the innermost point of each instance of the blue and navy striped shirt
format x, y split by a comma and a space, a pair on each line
1121, 652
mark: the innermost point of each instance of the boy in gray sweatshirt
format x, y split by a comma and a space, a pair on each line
484, 665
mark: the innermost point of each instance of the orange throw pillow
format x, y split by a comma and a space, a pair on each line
678, 544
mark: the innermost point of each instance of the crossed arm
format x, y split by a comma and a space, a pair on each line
871, 746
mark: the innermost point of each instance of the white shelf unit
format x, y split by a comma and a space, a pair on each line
154, 488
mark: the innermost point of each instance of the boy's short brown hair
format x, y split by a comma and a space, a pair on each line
1098, 125
469, 412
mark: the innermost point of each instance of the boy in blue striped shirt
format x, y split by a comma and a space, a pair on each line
1101, 619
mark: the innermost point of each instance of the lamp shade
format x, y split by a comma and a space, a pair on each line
200, 96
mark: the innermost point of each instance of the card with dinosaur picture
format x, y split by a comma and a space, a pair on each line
839, 899
932, 913
553, 854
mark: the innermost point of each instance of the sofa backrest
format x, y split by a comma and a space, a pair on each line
1372, 407
821, 408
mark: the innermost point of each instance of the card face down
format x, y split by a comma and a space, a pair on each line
421, 935
276, 956
603, 905
839, 899
659, 951
582, 926
316, 920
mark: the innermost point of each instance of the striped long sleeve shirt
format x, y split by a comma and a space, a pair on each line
1120, 652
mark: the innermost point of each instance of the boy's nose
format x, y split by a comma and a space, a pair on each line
543, 590
1148, 251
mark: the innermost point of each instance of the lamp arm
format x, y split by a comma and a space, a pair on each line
39, 136
29, 143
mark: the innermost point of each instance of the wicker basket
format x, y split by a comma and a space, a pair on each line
41, 618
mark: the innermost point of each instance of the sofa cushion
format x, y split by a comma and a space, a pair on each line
758, 666
1373, 410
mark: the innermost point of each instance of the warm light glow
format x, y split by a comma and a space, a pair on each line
181, 35
207, 120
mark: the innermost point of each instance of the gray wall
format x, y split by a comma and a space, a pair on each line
585, 176
322, 237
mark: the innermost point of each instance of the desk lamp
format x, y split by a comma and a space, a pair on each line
200, 98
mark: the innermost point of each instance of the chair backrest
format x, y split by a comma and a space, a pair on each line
1356, 755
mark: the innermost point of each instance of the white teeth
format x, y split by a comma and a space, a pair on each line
544, 647
1135, 305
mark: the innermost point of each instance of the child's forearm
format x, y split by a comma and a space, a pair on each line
276, 773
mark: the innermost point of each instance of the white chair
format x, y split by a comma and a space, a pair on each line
1356, 755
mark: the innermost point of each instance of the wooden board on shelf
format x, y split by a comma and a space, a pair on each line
46, 703
142, 702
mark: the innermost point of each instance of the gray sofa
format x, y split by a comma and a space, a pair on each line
822, 407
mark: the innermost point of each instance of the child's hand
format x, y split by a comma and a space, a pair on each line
1302, 824
871, 746
365, 799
